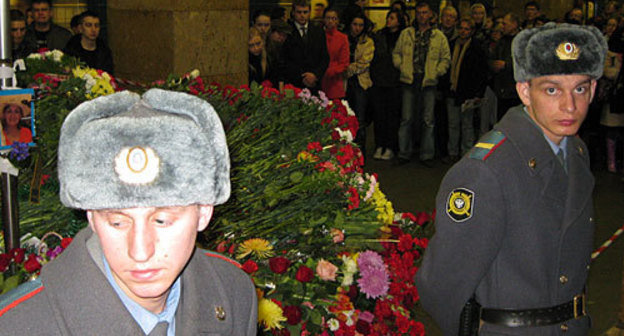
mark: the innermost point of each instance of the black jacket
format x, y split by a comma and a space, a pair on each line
473, 73
299, 56
101, 58
382, 71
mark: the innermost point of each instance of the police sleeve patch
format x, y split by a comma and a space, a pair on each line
460, 204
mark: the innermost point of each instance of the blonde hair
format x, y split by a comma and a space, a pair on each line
254, 32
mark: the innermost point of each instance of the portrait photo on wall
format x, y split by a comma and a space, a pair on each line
18, 117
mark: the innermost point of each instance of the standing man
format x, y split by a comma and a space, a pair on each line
43, 31
514, 228
531, 13
448, 22
305, 56
422, 55
157, 165
502, 67
21, 47
88, 46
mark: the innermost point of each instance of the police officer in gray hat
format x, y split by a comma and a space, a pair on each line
514, 225
148, 170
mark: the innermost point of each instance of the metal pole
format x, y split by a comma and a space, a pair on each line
10, 211
6, 59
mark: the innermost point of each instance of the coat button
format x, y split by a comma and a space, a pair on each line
563, 279
564, 327
591, 219
532, 163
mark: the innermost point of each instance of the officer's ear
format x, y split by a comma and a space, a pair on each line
523, 89
205, 214
90, 219
594, 84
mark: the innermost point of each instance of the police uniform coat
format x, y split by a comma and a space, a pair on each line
73, 297
524, 237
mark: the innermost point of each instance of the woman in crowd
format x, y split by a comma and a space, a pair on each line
612, 117
333, 83
362, 49
258, 65
12, 128
386, 90
262, 21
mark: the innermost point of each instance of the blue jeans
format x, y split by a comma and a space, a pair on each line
418, 105
460, 126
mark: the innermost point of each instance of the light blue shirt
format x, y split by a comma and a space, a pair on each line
146, 319
555, 148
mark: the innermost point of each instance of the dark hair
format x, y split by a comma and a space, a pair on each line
400, 17
75, 20
363, 18
514, 17
17, 15
533, 4
259, 13
6, 107
300, 3
278, 13
49, 2
89, 13
331, 9
421, 4
401, 3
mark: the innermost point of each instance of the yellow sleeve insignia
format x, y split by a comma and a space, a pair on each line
460, 204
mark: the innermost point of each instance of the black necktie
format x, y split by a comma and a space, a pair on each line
160, 329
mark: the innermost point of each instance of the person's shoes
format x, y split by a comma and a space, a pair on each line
378, 152
427, 163
387, 155
450, 159
401, 161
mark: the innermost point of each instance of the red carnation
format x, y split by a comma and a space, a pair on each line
17, 254
292, 314
5, 260
405, 242
31, 265
65, 242
304, 274
250, 266
363, 327
354, 198
315, 146
279, 265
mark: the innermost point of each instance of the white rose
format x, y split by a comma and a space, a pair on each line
333, 324
35, 56
57, 55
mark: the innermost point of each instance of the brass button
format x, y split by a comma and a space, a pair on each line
580, 150
563, 279
591, 219
532, 163
564, 327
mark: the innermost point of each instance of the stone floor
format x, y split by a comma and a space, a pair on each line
412, 187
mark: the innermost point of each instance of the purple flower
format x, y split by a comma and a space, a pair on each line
374, 282
369, 260
19, 151
305, 94
367, 316
324, 99
53, 253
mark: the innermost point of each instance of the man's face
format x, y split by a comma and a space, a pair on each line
90, 28
42, 13
576, 15
531, 12
263, 24
423, 16
302, 14
147, 248
558, 104
509, 26
18, 30
278, 36
448, 19
464, 31
478, 14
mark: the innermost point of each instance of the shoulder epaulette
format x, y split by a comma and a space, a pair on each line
212, 254
19, 294
487, 145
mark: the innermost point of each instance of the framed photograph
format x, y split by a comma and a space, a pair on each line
17, 116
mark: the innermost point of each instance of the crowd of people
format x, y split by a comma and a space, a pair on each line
35, 31
431, 86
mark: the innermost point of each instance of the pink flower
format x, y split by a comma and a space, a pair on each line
374, 282
369, 260
337, 235
326, 271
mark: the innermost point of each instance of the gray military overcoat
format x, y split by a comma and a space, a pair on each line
522, 240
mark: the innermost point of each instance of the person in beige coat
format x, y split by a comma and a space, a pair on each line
362, 50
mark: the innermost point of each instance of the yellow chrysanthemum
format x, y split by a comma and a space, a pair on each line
385, 211
270, 314
261, 248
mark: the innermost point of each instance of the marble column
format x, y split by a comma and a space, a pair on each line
151, 39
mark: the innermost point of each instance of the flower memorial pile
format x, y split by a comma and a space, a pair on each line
323, 245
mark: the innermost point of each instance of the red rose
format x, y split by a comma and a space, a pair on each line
250, 266
17, 254
5, 260
292, 314
363, 327
65, 242
304, 274
279, 265
31, 265
222, 247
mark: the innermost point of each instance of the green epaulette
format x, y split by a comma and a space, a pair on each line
20, 294
487, 145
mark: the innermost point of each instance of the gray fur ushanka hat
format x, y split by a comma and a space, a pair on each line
125, 151
558, 49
